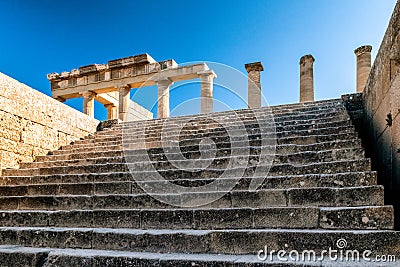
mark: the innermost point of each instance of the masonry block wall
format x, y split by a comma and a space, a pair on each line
31, 123
382, 111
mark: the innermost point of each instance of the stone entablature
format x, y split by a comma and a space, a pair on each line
121, 75
114, 69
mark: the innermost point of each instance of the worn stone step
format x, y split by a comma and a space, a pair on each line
115, 184
265, 198
167, 170
217, 136
225, 138
293, 118
317, 109
246, 113
328, 117
219, 156
249, 115
313, 141
358, 218
19, 256
170, 172
253, 140
124, 183
252, 127
235, 242
280, 149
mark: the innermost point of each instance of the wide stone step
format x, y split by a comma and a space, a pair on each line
220, 156
250, 113
123, 183
288, 118
219, 136
234, 242
329, 117
143, 172
18, 256
171, 172
244, 113
120, 183
357, 218
266, 198
280, 149
299, 140
291, 143
253, 139
250, 127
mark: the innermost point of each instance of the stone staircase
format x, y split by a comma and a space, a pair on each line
87, 204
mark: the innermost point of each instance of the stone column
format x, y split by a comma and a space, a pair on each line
163, 96
112, 111
254, 84
88, 103
307, 78
124, 100
206, 100
363, 54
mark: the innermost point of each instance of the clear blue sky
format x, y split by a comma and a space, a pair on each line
40, 37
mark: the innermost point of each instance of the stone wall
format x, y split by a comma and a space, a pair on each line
137, 112
32, 123
382, 109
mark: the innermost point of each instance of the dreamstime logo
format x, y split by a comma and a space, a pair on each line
191, 161
341, 254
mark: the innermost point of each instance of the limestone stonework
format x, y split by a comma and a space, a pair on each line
307, 78
363, 54
163, 96
254, 84
32, 123
382, 110
207, 85
138, 71
124, 93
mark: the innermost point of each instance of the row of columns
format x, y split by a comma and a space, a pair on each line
88, 106
363, 54
164, 84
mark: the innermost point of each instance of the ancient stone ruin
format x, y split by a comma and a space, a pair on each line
111, 83
77, 192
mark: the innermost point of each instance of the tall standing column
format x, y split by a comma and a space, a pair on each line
112, 111
363, 54
163, 96
88, 103
254, 84
307, 78
124, 99
206, 94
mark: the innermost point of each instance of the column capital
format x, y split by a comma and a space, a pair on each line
307, 58
88, 94
109, 105
163, 80
207, 73
362, 50
60, 99
255, 66
123, 87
